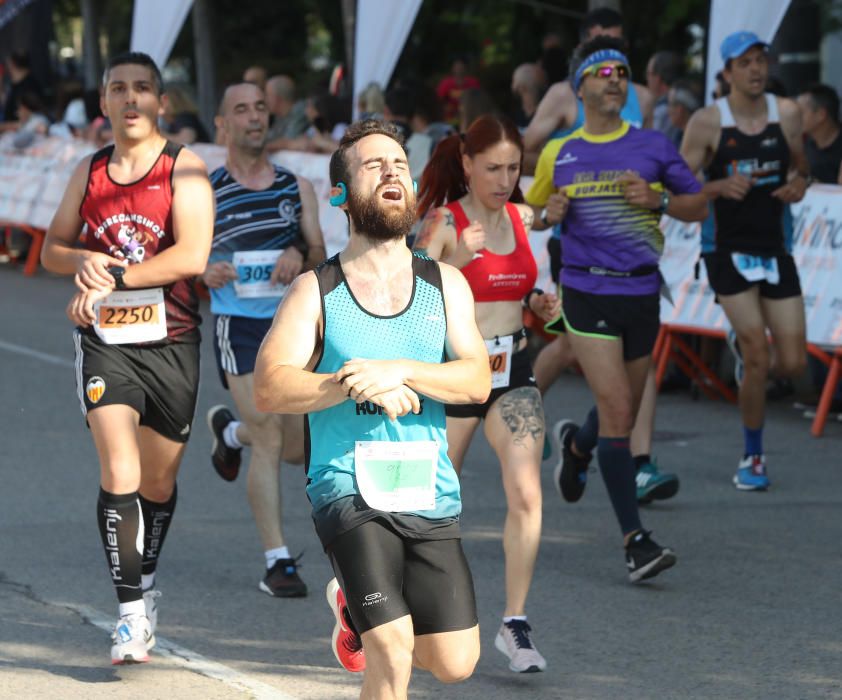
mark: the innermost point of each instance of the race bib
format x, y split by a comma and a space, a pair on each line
754, 268
397, 477
131, 316
254, 270
500, 359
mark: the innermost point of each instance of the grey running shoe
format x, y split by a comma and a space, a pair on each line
515, 641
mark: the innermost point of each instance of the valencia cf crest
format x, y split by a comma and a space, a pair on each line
95, 388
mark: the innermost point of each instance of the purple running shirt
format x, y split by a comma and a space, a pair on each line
603, 231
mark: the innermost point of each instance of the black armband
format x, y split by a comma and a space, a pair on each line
528, 296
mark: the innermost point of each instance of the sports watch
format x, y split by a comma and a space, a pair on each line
117, 273
665, 202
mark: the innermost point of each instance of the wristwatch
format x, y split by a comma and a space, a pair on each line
544, 218
117, 273
665, 202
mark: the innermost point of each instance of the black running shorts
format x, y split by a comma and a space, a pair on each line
236, 340
726, 280
520, 375
634, 319
160, 382
385, 576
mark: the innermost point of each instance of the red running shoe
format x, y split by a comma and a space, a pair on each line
346, 643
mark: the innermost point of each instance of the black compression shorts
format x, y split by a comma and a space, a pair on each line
385, 576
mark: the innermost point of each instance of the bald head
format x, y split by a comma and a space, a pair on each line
280, 94
527, 76
256, 75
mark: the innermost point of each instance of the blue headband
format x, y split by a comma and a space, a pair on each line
598, 57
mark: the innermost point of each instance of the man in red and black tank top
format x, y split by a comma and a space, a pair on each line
751, 146
148, 209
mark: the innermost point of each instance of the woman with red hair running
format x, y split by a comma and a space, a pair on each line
482, 229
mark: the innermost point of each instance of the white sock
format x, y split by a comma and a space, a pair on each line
229, 435
272, 555
514, 617
136, 607
147, 581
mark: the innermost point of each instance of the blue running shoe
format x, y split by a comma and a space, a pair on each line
751, 474
652, 484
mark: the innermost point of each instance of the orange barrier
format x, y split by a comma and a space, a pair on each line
33, 258
834, 363
670, 346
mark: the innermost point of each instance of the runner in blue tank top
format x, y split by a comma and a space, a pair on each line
265, 232
370, 346
751, 146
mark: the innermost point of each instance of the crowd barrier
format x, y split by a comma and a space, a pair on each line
33, 181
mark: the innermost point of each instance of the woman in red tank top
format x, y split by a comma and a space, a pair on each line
482, 230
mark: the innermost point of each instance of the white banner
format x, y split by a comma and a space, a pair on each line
33, 181
156, 25
817, 249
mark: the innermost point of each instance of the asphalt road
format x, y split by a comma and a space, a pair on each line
751, 610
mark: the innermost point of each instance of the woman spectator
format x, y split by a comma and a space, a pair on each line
181, 118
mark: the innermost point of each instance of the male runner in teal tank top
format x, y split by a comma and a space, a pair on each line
371, 345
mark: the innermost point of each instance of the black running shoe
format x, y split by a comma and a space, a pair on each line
645, 558
571, 472
226, 460
283, 581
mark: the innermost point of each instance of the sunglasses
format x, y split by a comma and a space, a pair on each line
606, 70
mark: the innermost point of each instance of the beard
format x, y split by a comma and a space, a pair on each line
377, 223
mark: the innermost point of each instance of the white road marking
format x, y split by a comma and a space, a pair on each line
188, 659
29, 352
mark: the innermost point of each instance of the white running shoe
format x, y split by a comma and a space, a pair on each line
131, 636
514, 641
150, 601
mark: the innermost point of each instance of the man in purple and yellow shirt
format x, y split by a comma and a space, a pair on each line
611, 182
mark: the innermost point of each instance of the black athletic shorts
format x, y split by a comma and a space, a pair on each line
726, 280
520, 375
160, 382
385, 576
236, 340
554, 253
634, 319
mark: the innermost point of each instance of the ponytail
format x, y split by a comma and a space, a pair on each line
443, 179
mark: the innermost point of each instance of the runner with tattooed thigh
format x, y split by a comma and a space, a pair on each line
483, 231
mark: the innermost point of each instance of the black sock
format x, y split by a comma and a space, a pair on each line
121, 529
156, 523
615, 463
586, 437
640, 460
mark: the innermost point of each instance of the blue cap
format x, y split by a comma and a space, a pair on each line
736, 44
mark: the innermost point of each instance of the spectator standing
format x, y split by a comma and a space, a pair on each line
528, 85
181, 118
22, 81
399, 108
451, 87
682, 100
31, 120
256, 75
371, 101
663, 69
823, 143
288, 115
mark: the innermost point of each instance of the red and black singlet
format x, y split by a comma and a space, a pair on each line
134, 222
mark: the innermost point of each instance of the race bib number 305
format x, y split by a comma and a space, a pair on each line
397, 477
254, 274
131, 316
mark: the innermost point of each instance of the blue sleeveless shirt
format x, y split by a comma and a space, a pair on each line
416, 333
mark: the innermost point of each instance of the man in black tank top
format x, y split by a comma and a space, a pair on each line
750, 144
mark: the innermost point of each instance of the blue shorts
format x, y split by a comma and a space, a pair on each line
236, 340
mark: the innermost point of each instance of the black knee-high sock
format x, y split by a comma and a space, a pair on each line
156, 523
586, 437
121, 529
617, 467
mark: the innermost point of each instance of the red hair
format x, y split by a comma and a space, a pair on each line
444, 178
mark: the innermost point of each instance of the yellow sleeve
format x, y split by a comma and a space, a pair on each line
542, 185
